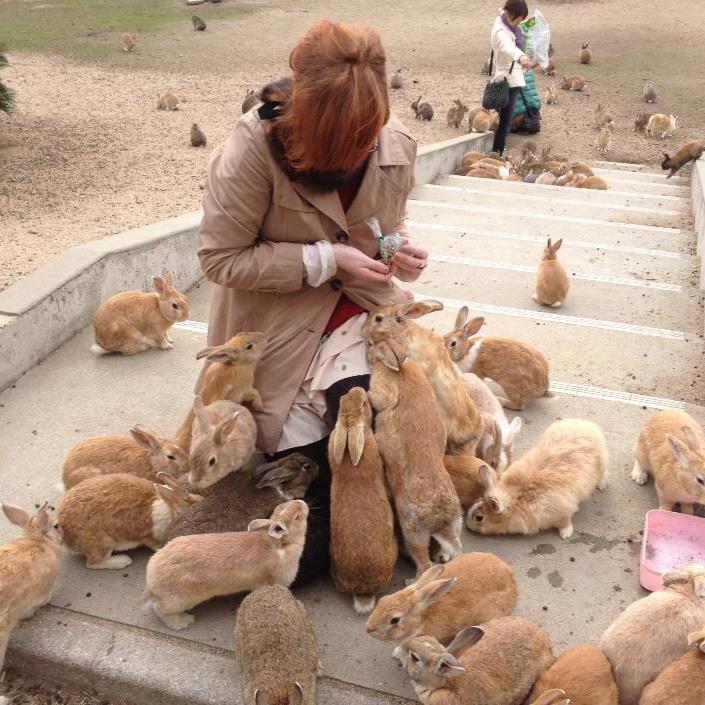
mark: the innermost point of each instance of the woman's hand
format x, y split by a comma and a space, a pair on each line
409, 262
359, 265
524, 61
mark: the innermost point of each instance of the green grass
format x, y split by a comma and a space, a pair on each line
91, 29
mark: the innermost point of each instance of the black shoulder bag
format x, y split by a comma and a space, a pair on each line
496, 94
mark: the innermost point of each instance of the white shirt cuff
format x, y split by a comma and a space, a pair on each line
319, 262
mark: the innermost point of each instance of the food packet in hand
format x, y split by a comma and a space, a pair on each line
388, 244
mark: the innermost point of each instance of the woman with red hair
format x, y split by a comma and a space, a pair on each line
285, 234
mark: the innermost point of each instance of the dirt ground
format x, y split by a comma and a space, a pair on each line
20, 691
86, 153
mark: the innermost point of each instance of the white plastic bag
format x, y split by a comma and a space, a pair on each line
537, 38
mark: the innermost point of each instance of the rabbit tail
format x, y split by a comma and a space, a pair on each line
95, 348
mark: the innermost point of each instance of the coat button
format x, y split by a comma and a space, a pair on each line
337, 284
342, 236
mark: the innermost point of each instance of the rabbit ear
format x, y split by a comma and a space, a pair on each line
145, 438
675, 577
276, 477
434, 591
356, 442
168, 279
158, 284
513, 431
43, 518
258, 524
557, 245
699, 585
338, 442
224, 429
198, 410
416, 309
387, 356
691, 439
680, 451
260, 698
487, 478
449, 666
433, 573
462, 317
218, 353
548, 244
166, 493
172, 483
465, 638
474, 326
296, 697
278, 530
497, 443
16, 515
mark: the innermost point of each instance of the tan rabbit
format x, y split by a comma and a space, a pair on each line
168, 101
552, 283
573, 83
29, 567
603, 117
462, 420
596, 183
567, 179
143, 453
603, 141
663, 125
132, 322
128, 41
456, 114
267, 553
497, 444
275, 647
547, 179
551, 96
363, 545
584, 674
585, 55
482, 121
689, 152
118, 512
581, 168
469, 158
233, 502
464, 472
230, 374
223, 440
543, 489
551, 697
683, 681
653, 631
520, 369
471, 589
483, 173
426, 502
495, 664
641, 121
671, 446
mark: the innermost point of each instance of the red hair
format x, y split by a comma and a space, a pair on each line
339, 101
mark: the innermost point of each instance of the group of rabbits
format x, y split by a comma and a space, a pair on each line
428, 445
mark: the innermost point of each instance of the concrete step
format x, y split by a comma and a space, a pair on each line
613, 196
640, 176
538, 203
590, 258
503, 219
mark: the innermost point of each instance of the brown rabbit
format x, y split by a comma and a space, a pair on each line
118, 512
426, 502
464, 471
469, 159
29, 567
584, 674
168, 101
144, 454
462, 420
581, 168
128, 41
683, 681
603, 117
471, 116
456, 114
573, 83
275, 647
198, 137
552, 283
593, 182
551, 697
363, 544
482, 122
671, 447
641, 121
496, 664
689, 152
473, 588
519, 368
233, 502
550, 69
132, 322
585, 55
396, 82
267, 553
652, 632
551, 96
603, 141
230, 375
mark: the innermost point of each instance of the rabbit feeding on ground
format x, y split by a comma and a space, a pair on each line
574, 82
128, 41
663, 125
168, 101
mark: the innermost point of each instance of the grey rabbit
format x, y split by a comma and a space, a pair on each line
424, 111
198, 24
650, 95
198, 137
397, 81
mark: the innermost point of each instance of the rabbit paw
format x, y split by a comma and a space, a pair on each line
111, 563
363, 604
566, 531
639, 475
166, 345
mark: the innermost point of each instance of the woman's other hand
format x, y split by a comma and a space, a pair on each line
359, 265
524, 61
409, 262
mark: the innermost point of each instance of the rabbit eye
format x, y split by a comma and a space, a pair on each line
56, 526
479, 517
169, 456
453, 344
211, 460
414, 657
249, 346
175, 306
306, 466
700, 480
379, 318
395, 620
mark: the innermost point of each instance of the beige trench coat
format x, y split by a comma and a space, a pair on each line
255, 223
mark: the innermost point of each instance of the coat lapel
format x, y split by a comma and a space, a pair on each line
327, 203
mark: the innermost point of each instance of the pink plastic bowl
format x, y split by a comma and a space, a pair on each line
670, 541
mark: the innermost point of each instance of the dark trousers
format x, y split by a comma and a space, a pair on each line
315, 560
505, 122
